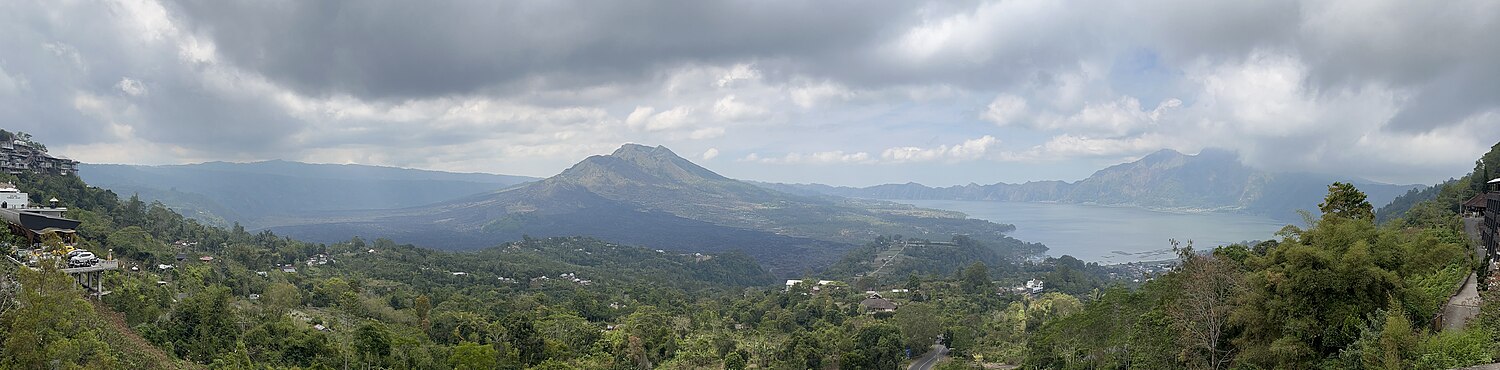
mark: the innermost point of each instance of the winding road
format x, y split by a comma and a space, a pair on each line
929, 359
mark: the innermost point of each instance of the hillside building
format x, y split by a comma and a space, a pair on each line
1491, 219
18, 157
35, 223
877, 304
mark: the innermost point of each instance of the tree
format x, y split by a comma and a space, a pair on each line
48, 327
976, 279
1395, 339
373, 343
283, 296
203, 325
734, 361
522, 336
1346, 201
803, 352
649, 336
1201, 310
875, 347
423, 306
920, 326
472, 356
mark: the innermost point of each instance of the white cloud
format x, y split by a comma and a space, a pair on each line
968, 150
811, 94
740, 72
825, 157
647, 119
729, 109
131, 87
1006, 109
710, 154
706, 133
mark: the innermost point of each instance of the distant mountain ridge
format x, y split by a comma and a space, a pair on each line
1213, 180
258, 193
650, 196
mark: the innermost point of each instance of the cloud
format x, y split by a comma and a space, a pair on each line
647, 118
968, 150
1006, 109
825, 157
710, 154
1333, 86
131, 87
728, 109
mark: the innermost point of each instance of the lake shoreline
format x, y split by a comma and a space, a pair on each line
1112, 234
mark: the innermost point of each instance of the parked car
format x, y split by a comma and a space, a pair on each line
82, 259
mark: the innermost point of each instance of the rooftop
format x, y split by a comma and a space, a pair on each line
878, 303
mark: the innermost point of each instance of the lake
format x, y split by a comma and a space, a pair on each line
1111, 235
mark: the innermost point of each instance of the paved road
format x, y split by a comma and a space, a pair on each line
929, 359
1462, 307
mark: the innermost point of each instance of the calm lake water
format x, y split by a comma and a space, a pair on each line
1112, 234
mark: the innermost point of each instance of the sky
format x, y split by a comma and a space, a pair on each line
836, 92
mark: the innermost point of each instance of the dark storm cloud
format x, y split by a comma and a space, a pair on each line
1282, 80
403, 49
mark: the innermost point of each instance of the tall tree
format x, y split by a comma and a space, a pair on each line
1200, 312
976, 279
1346, 201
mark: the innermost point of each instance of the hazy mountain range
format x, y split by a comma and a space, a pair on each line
650, 196
257, 194
1212, 180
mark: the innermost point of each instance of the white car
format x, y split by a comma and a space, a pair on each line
81, 259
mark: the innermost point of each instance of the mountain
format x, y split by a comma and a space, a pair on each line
650, 196
260, 193
1213, 180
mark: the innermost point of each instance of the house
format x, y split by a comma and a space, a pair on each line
18, 154
1033, 286
875, 304
1477, 204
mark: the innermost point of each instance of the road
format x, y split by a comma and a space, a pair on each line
1462, 307
929, 359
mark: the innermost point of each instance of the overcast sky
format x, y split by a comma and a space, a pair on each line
839, 92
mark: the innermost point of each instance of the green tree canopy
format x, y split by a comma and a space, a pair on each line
1346, 201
